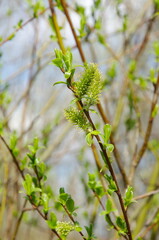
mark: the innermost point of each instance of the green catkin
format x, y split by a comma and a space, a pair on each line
89, 86
77, 117
87, 90
64, 228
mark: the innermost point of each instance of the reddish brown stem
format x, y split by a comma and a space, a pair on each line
78, 43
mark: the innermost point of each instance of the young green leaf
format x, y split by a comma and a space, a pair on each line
107, 132
70, 205
60, 82
121, 224
128, 198
45, 203
52, 222
109, 206
89, 139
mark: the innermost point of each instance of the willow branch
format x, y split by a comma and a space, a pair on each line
56, 26
72, 219
143, 148
22, 26
15, 160
78, 43
105, 119
149, 194
118, 192
147, 34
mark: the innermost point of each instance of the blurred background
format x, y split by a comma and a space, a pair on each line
111, 33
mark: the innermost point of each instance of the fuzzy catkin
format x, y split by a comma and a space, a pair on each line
89, 86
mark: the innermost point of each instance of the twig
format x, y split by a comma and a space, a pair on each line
93, 126
13, 157
78, 43
22, 175
116, 152
146, 37
143, 148
57, 28
110, 170
146, 195
30, 81
100, 202
19, 221
99, 106
72, 219
151, 225
23, 25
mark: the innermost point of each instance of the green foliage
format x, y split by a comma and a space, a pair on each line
155, 111
83, 20
95, 185
10, 37
66, 200
19, 24
128, 198
156, 4
52, 222
13, 144
5, 99
101, 39
110, 74
1, 127
112, 186
154, 144
37, 7
58, 2
122, 225
125, 23
64, 62
64, 228
106, 136
29, 186
108, 208
89, 137
156, 48
123, 76
45, 202
132, 68
130, 121
152, 76
90, 232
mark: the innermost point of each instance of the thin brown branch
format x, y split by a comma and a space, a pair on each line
151, 225
111, 172
78, 43
116, 152
100, 202
19, 221
22, 175
99, 106
15, 160
143, 148
147, 34
30, 81
22, 26
45, 218
90, 120
72, 219
149, 194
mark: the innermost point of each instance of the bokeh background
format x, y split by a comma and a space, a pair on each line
34, 107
